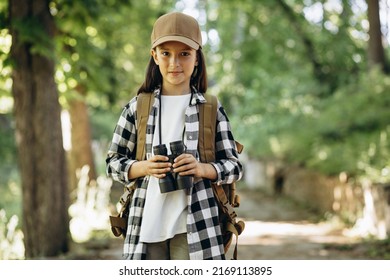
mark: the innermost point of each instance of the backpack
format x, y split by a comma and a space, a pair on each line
225, 194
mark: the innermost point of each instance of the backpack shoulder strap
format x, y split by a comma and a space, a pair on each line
207, 126
144, 105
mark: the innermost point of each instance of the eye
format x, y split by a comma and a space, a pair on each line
185, 53
164, 53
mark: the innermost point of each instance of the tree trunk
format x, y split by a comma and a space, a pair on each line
81, 151
38, 130
376, 54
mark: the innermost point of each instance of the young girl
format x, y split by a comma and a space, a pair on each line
163, 223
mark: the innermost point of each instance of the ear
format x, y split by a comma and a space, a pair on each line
153, 53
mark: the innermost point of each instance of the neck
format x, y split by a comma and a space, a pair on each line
175, 90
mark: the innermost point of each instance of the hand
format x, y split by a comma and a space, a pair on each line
157, 166
186, 164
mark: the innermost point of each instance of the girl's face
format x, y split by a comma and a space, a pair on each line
176, 62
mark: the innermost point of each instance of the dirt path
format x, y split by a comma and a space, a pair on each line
279, 229
276, 229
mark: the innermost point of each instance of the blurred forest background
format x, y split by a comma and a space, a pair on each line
305, 83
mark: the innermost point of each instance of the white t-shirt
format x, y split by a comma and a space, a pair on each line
165, 214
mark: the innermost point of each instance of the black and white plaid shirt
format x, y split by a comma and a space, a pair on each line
203, 230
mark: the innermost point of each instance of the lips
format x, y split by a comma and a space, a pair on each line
175, 73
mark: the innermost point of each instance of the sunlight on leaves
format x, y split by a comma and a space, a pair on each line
90, 212
11, 238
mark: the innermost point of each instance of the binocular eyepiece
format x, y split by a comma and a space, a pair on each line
173, 181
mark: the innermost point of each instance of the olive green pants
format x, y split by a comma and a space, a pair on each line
175, 248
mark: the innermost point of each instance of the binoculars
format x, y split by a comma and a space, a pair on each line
173, 181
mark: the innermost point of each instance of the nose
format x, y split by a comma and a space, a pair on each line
174, 61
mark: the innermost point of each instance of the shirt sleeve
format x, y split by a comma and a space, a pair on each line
227, 164
121, 152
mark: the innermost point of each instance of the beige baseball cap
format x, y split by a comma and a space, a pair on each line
178, 27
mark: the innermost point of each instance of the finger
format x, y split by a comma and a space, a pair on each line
187, 168
159, 176
184, 160
157, 158
180, 157
185, 156
160, 168
187, 172
162, 165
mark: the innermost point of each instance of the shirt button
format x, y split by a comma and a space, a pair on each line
190, 137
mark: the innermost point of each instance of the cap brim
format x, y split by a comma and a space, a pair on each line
180, 39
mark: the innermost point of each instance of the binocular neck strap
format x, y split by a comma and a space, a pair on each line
159, 120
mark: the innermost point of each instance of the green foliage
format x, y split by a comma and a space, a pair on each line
7, 139
9, 176
348, 131
104, 49
3, 14
102, 123
289, 85
298, 90
32, 32
11, 196
354, 129
378, 249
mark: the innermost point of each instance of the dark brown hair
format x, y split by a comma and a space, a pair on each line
153, 78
